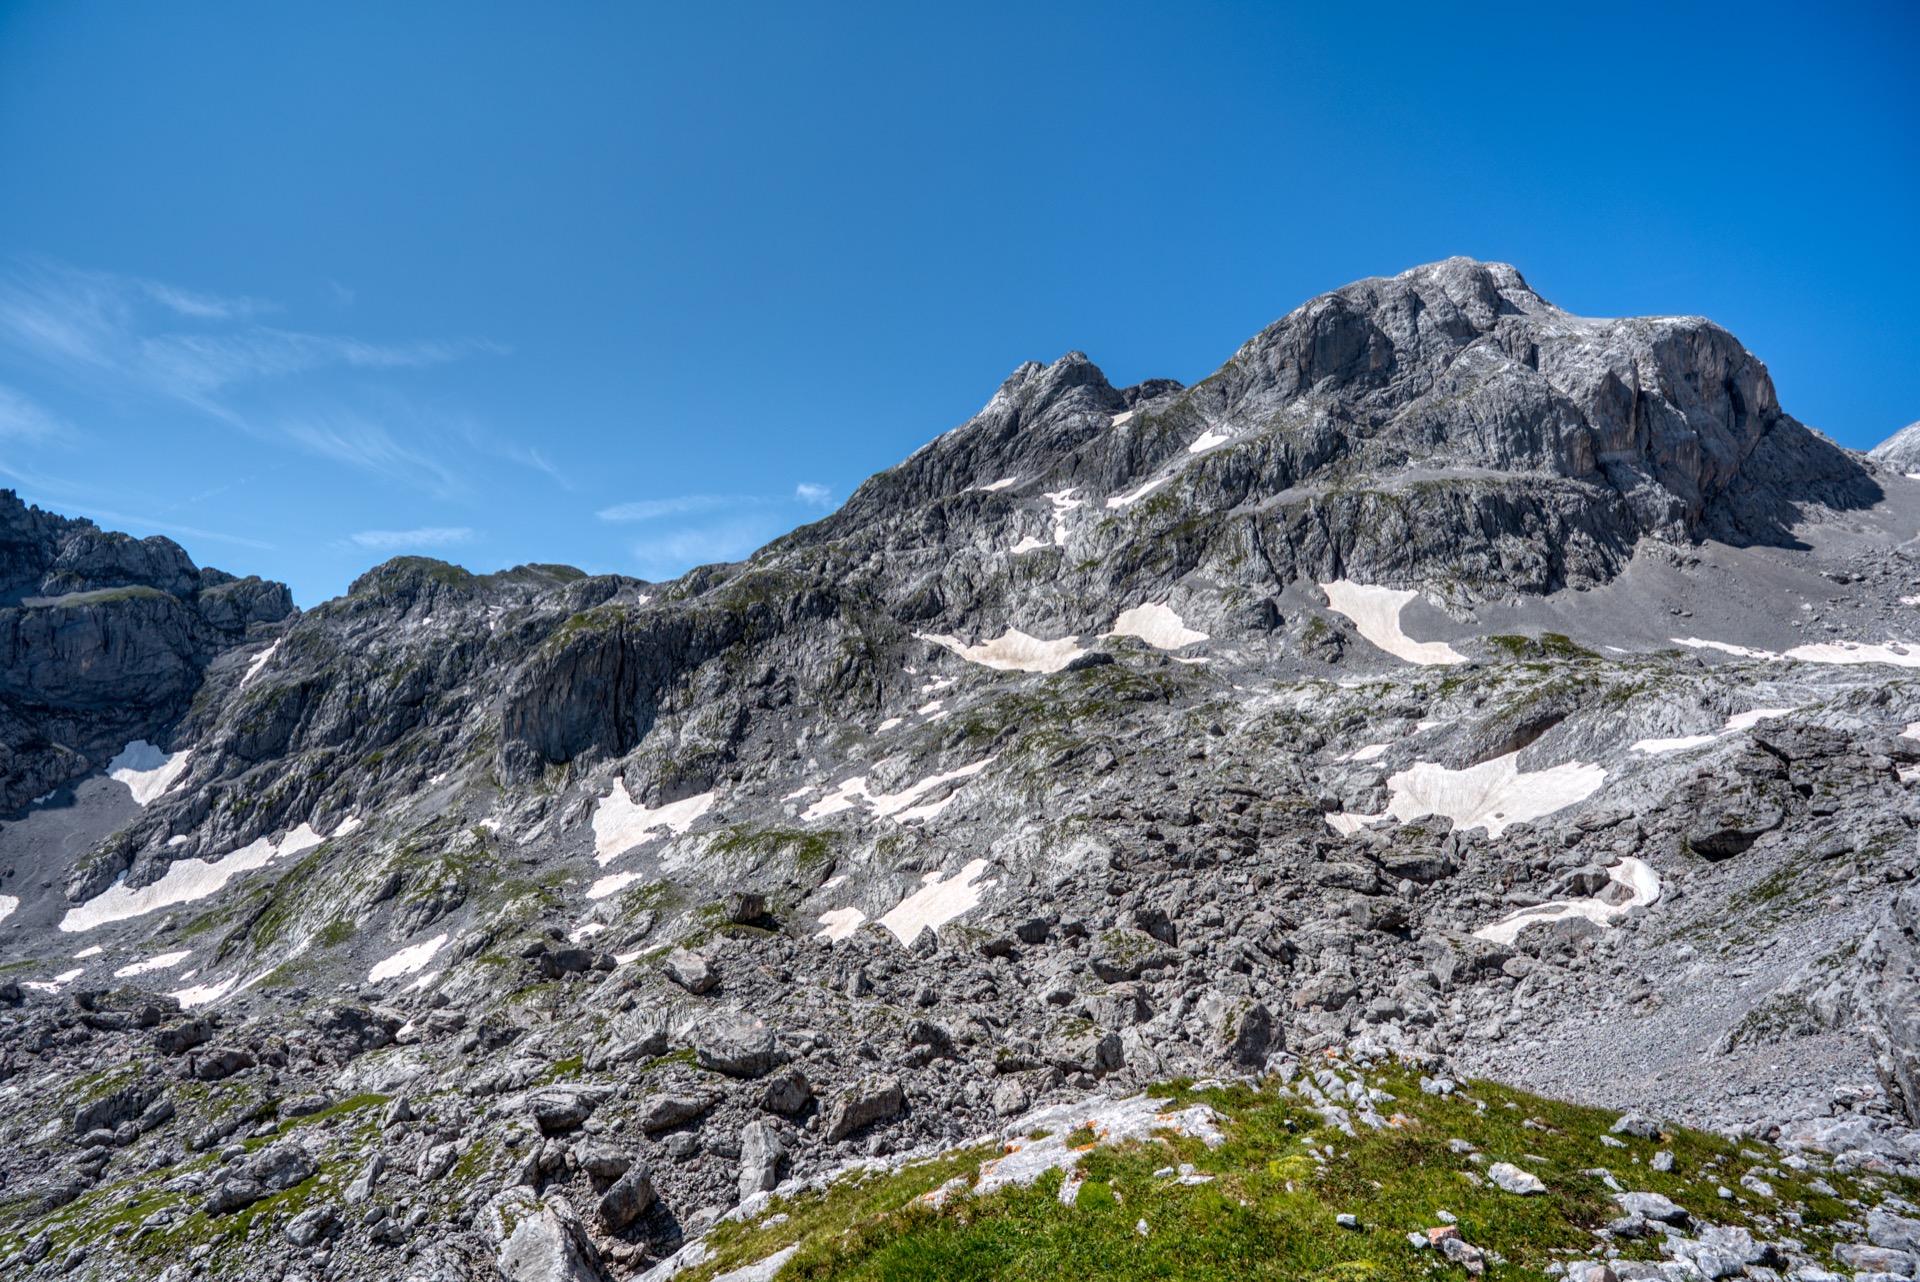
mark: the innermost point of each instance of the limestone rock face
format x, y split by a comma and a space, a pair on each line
103, 640
1901, 451
1446, 682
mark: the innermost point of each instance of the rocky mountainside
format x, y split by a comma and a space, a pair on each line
1448, 687
105, 639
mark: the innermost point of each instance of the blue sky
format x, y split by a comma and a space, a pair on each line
639, 286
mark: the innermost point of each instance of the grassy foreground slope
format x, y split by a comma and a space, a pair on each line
1288, 1170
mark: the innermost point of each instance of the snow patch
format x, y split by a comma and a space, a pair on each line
1122, 419
1127, 500
1898, 654
936, 903
899, 806
1369, 752
1001, 484
882, 728
1375, 612
612, 885
1208, 440
259, 661
205, 994
1029, 544
1737, 722
407, 961
620, 823
840, 924
92, 950
1493, 795
185, 881
164, 961
1063, 503
147, 771
1157, 625
1642, 884
1012, 651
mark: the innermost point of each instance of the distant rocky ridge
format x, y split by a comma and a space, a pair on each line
1446, 677
1900, 451
103, 639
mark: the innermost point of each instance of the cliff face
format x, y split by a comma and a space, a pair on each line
103, 639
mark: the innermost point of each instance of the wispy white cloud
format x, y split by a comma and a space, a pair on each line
428, 536
813, 495
679, 505
674, 552
349, 436
24, 419
201, 306
131, 338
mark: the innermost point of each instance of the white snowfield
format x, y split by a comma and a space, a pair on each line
1012, 651
611, 885
1737, 722
839, 923
164, 961
1120, 501
407, 961
903, 806
1898, 654
1493, 795
620, 823
259, 661
1208, 440
1366, 752
147, 771
1157, 625
1641, 881
186, 880
1063, 503
205, 994
1376, 614
7, 904
1003, 483
938, 902
1136, 1118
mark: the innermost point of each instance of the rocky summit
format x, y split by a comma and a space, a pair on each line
1436, 796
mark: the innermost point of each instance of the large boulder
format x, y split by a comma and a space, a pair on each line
737, 1045
535, 1240
861, 1105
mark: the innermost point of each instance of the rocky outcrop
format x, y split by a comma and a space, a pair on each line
103, 640
1901, 451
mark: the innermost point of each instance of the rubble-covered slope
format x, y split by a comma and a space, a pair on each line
1447, 680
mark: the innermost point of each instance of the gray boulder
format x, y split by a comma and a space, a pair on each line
535, 1240
861, 1105
737, 1045
628, 1199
